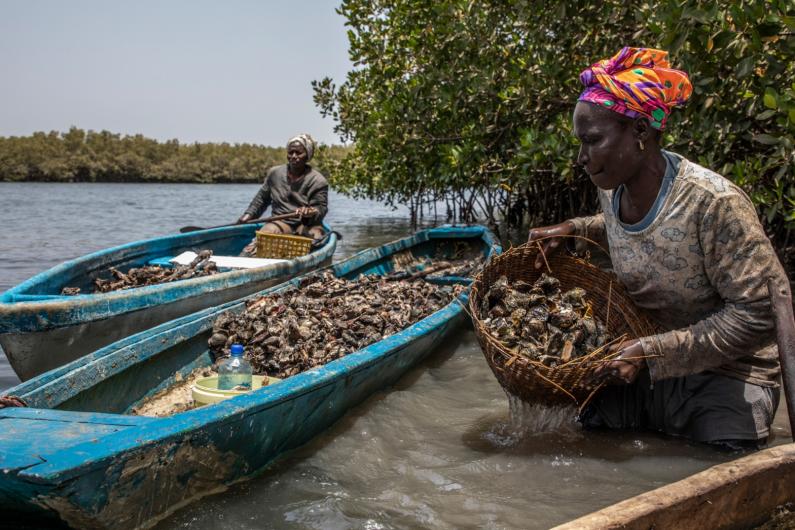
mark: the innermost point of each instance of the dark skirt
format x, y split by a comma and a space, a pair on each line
704, 407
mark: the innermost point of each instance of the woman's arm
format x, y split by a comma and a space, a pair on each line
738, 260
592, 228
552, 237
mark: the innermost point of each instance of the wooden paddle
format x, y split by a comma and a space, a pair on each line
781, 300
250, 221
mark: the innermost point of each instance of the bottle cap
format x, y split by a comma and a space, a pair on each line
237, 350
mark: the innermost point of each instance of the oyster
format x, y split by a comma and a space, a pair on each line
541, 322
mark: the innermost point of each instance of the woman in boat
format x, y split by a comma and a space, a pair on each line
293, 187
688, 246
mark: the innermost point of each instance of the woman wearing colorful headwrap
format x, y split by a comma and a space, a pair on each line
688, 246
294, 187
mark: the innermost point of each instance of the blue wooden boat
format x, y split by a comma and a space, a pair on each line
77, 454
41, 329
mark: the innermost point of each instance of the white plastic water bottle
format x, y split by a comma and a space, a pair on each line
234, 372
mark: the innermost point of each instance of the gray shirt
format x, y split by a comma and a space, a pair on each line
284, 196
700, 268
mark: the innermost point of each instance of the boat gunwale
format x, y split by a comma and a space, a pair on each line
696, 501
56, 270
62, 464
26, 317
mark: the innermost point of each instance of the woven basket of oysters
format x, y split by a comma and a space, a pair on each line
544, 331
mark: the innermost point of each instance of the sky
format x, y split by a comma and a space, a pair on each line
198, 71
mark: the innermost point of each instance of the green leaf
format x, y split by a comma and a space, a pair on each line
770, 98
769, 29
771, 213
696, 14
766, 139
745, 67
791, 115
765, 115
721, 39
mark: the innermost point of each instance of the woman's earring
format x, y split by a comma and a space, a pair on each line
641, 145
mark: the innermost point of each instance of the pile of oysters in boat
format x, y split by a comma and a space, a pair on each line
541, 322
327, 317
297, 329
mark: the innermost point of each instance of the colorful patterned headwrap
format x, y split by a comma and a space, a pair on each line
637, 82
306, 141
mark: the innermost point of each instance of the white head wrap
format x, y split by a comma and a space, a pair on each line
306, 141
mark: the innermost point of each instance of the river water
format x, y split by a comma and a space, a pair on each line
439, 449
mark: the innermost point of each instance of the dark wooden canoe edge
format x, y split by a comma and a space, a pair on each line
734, 495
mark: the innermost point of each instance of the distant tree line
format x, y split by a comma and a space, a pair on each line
90, 156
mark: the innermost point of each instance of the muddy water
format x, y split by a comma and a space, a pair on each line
437, 450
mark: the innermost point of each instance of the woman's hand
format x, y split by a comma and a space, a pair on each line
555, 233
623, 369
243, 218
306, 212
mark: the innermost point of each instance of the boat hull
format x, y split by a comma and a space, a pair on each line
139, 487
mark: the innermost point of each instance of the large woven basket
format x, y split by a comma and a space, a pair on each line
569, 382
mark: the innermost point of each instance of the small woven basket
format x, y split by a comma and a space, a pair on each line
567, 383
281, 246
